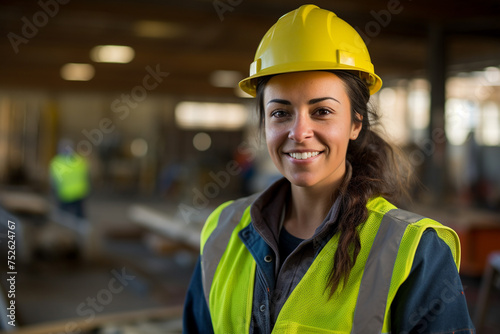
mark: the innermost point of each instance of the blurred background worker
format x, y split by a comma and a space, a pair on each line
69, 174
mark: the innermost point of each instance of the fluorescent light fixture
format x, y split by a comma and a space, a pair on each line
157, 29
226, 79
222, 116
112, 54
77, 72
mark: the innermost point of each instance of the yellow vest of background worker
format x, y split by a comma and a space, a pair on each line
389, 239
69, 174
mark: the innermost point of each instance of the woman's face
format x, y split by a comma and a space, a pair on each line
308, 127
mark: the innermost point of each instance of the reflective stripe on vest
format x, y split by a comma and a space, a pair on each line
389, 240
219, 238
226, 219
378, 271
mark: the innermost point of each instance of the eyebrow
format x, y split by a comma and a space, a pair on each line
320, 99
312, 101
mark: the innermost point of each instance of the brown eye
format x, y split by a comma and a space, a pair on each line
279, 114
323, 111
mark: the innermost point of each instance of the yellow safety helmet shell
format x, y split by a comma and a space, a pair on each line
310, 39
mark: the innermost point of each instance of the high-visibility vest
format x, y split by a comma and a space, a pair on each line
389, 239
69, 175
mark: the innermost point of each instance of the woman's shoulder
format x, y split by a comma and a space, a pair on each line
412, 225
381, 206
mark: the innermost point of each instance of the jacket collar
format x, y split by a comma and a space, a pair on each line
267, 210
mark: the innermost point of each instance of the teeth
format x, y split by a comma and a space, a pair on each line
305, 155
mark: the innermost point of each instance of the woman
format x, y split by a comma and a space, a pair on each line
322, 250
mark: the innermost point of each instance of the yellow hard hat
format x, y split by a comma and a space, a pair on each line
309, 39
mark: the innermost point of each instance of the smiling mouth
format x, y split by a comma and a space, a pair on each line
304, 155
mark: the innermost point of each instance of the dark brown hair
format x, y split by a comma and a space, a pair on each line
378, 169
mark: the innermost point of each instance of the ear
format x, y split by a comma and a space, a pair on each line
356, 127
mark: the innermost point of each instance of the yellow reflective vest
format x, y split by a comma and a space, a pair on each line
389, 239
69, 174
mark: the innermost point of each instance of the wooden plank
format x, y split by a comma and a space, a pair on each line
166, 225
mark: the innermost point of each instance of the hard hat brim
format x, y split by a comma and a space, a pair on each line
249, 84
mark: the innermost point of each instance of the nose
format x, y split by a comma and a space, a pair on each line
301, 128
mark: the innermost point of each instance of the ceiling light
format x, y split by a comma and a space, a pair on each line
222, 116
77, 72
112, 54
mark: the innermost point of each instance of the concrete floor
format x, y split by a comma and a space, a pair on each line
72, 289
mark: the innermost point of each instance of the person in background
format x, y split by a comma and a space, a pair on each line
322, 250
70, 179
